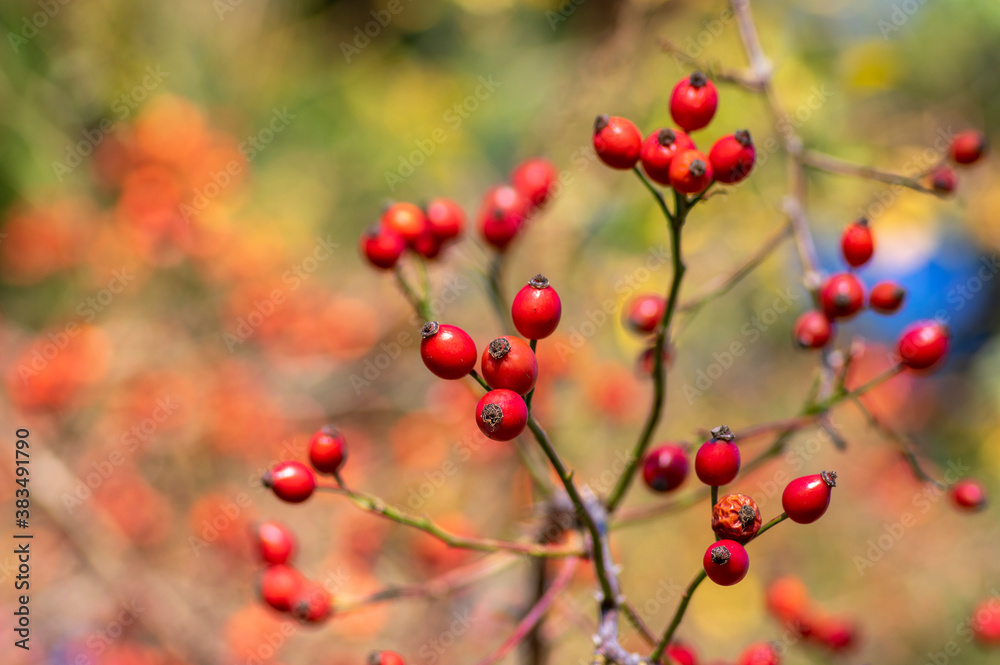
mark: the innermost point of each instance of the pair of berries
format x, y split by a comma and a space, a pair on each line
405, 226
295, 482
510, 368
966, 148
505, 208
286, 590
787, 599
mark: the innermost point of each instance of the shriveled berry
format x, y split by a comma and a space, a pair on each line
806, 499
726, 562
736, 517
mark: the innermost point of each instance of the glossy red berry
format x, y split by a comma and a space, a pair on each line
944, 179
535, 179
312, 604
842, 296
690, 172
659, 149
327, 450
733, 157
922, 345
275, 542
857, 243
717, 462
665, 468
445, 219
406, 219
617, 141
501, 215
812, 330
447, 351
501, 414
886, 297
806, 499
279, 586
762, 653
645, 312
385, 658
290, 481
682, 654
967, 147
382, 247
536, 309
726, 562
736, 517
693, 102
510, 363
968, 494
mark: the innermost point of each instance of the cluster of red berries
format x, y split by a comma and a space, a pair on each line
506, 208
966, 148
405, 226
508, 363
788, 601
293, 481
282, 586
670, 156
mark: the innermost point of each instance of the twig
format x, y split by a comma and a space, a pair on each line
903, 442
831, 164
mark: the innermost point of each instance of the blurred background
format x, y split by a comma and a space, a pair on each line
182, 303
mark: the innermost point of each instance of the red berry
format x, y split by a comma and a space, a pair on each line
762, 653
510, 363
445, 219
736, 517
967, 147
327, 450
968, 494
291, 481
682, 654
690, 172
428, 246
944, 179
986, 622
645, 312
922, 344
806, 499
857, 243
501, 215
501, 414
406, 219
536, 309
787, 598
617, 141
693, 102
279, 586
886, 297
665, 468
385, 658
812, 330
658, 151
726, 562
447, 351
834, 633
842, 296
732, 157
312, 604
718, 461
275, 542
535, 179
382, 247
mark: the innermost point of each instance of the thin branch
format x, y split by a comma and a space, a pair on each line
831, 164
714, 70
417, 302
668, 634
633, 618
903, 442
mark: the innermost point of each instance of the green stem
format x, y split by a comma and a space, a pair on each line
418, 303
773, 523
493, 279
678, 615
531, 393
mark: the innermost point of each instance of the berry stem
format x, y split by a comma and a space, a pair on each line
494, 276
776, 521
903, 442
668, 634
831, 164
482, 382
418, 303
531, 393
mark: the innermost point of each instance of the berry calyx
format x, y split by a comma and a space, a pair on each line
312, 604
382, 247
510, 363
842, 296
690, 172
445, 219
923, 344
967, 147
762, 653
447, 351
406, 219
535, 179
384, 658
693, 102
290, 481
536, 309
275, 543
944, 179
327, 450
665, 468
969, 495
617, 141
806, 499
645, 312
726, 562
279, 586
658, 151
501, 215
733, 157
857, 243
736, 517
886, 297
812, 330
501, 414
717, 462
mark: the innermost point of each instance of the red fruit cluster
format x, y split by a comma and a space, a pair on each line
405, 226
286, 590
670, 156
505, 208
788, 601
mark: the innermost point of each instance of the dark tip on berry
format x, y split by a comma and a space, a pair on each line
660, 484
721, 555
429, 329
747, 515
698, 80
697, 168
862, 221
267, 480
492, 416
330, 430
842, 300
374, 658
723, 433
539, 281
373, 231
388, 203
499, 348
666, 137
829, 477
743, 136
600, 122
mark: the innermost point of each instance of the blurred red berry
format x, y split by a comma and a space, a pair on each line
842, 296
501, 215
617, 141
967, 147
665, 468
944, 179
726, 562
659, 149
969, 494
806, 499
327, 450
382, 247
385, 658
857, 243
406, 219
886, 297
834, 633
279, 586
732, 157
682, 654
536, 309
923, 344
501, 414
290, 481
812, 330
645, 312
312, 604
787, 598
445, 219
693, 102
762, 653
275, 542
690, 172
447, 351
535, 179
986, 622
